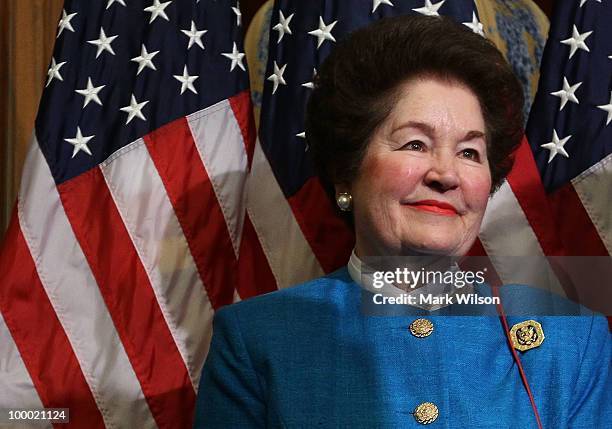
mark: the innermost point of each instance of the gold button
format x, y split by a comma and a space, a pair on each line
426, 413
421, 328
527, 335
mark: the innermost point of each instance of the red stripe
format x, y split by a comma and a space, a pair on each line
574, 225
255, 275
129, 297
39, 336
191, 193
243, 111
580, 238
526, 184
330, 238
477, 249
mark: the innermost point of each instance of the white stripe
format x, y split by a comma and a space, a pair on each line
146, 211
236, 297
220, 145
594, 187
16, 387
279, 233
76, 299
512, 245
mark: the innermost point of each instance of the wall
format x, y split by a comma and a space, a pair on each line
28, 34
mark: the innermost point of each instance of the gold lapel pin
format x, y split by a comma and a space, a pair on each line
527, 335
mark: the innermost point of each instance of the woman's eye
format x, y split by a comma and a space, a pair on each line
470, 154
414, 145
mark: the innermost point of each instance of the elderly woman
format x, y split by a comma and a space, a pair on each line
412, 124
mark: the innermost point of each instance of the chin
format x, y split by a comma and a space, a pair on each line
432, 250
442, 247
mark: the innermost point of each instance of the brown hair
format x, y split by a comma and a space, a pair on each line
356, 89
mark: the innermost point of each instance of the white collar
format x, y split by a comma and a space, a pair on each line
365, 280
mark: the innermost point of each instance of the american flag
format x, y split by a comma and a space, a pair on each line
148, 202
570, 126
131, 214
570, 135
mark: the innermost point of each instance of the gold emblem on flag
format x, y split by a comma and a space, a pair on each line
527, 335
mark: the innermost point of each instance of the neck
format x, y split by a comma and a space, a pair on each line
409, 259
412, 272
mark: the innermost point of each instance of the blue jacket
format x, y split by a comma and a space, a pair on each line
308, 357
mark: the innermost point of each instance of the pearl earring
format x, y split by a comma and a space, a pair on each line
344, 201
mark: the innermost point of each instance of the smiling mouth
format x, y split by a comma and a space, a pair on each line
436, 207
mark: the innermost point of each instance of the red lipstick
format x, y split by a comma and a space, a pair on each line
433, 206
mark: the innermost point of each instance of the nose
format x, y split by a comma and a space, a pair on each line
442, 175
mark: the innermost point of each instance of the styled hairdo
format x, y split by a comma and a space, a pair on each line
356, 88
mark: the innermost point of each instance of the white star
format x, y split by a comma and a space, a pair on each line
64, 23
145, 59
110, 2
186, 81
277, 77
376, 3
582, 2
310, 85
236, 10
283, 25
475, 25
195, 36
53, 71
567, 93
323, 33
236, 57
157, 9
607, 108
134, 110
430, 9
302, 135
610, 57
577, 41
90, 93
556, 146
80, 143
103, 43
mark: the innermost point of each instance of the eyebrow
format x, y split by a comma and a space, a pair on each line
430, 130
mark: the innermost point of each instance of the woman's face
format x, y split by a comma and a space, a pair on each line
424, 182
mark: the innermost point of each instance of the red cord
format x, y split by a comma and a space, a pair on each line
502, 317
